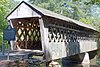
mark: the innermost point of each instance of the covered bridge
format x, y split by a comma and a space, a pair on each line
56, 35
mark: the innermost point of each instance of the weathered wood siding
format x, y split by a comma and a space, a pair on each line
63, 42
23, 11
88, 45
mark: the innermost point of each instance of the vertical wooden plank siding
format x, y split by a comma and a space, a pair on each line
44, 39
23, 11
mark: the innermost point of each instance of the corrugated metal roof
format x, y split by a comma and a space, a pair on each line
46, 12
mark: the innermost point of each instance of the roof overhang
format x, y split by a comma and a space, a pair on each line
29, 10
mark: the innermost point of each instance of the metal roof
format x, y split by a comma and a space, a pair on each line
46, 12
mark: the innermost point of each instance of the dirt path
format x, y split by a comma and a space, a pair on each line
3, 63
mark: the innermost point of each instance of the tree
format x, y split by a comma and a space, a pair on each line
5, 7
3, 23
81, 10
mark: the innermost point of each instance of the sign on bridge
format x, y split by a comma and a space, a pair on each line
9, 34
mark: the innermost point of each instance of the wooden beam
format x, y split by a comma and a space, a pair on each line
61, 27
44, 38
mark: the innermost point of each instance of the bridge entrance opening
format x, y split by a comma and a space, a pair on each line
28, 33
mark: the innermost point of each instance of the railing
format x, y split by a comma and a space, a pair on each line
65, 34
65, 41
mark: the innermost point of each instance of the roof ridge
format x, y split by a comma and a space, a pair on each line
46, 12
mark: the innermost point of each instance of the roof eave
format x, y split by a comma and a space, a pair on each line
27, 5
43, 14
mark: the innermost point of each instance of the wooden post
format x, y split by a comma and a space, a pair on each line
12, 42
8, 50
86, 59
44, 38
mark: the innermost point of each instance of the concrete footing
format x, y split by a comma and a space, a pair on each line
86, 59
54, 64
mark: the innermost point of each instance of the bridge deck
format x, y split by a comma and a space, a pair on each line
22, 54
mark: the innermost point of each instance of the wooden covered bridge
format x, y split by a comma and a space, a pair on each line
56, 35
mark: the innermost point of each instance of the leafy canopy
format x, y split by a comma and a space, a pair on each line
82, 10
5, 7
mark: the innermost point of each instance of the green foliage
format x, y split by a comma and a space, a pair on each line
0, 40
2, 13
85, 20
3, 10
5, 7
82, 10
